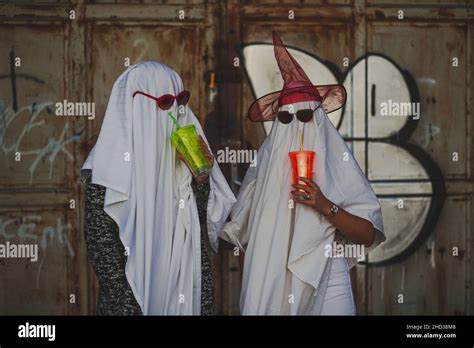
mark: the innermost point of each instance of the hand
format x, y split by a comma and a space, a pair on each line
312, 196
207, 153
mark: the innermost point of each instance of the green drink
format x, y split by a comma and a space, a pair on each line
186, 141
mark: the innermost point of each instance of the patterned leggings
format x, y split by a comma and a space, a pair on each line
107, 255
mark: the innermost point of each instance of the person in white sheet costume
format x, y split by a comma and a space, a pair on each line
287, 268
148, 190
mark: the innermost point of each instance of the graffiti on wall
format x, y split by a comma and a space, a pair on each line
32, 126
30, 228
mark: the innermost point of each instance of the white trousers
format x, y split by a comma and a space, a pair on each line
339, 299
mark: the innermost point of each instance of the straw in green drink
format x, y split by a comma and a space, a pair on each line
175, 121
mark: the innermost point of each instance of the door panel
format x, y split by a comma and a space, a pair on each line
78, 61
425, 51
29, 93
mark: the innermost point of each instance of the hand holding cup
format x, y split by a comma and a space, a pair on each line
310, 194
207, 154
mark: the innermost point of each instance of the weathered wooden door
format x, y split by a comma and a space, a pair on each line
74, 52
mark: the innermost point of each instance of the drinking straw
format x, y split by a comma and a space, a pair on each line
301, 140
175, 121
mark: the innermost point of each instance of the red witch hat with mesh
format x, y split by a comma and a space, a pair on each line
297, 87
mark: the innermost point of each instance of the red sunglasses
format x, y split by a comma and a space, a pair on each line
166, 101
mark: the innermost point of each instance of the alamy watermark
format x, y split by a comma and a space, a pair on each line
81, 109
227, 155
28, 330
21, 251
406, 109
337, 250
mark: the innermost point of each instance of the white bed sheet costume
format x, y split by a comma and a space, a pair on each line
283, 276
149, 194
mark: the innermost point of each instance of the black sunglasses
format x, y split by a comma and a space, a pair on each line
304, 115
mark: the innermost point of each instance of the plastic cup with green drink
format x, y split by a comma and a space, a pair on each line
188, 144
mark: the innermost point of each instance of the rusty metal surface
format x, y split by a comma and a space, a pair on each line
39, 287
37, 186
442, 129
80, 60
28, 96
62, 59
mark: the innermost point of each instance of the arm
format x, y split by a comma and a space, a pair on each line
107, 256
201, 192
354, 228
236, 230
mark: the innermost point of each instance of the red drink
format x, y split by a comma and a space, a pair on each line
302, 165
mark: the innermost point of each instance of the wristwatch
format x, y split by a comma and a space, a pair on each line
333, 211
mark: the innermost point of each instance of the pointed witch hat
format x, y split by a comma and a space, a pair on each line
297, 87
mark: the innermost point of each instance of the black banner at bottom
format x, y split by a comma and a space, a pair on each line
380, 330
